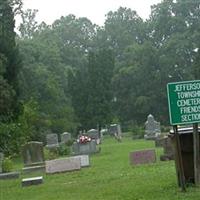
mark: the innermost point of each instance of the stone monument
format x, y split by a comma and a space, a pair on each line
33, 156
85, 148
115, 130
94, 134
168, 150
65, 137
152, 128
52, 141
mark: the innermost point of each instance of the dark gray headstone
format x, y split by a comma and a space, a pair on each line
52, 140
65, 137
1, 161
152, 128
115, 130
93, 134
84, 148
32, 181
168, 150
33, 154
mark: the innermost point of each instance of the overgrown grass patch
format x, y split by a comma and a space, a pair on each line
110, 177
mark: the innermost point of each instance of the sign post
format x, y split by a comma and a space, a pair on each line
184, 108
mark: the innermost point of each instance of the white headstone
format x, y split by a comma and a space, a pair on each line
84, 159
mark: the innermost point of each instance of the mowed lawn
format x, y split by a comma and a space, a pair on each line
110, 177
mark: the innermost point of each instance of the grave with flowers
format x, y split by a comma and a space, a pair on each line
84, 145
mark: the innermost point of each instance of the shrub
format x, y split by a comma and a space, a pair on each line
7, 165
51, 154
137, 132
64, 149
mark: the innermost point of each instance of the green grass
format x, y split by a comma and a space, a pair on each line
110, 177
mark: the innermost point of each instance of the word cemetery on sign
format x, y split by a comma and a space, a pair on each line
184, 102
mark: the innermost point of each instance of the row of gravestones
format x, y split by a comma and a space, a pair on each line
33, 155
77, 148
52, 139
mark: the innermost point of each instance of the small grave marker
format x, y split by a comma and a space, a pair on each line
142, 157
32, 181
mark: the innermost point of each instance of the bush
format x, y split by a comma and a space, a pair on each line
137, 132
51, 154
64, 149
11, 138
7, 165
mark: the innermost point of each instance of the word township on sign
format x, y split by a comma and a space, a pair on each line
184, 102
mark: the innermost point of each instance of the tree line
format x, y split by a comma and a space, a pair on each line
75, 75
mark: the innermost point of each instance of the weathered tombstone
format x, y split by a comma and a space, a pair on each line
84, 148
152, 128
1, 161
84, 159
63, 165
65, 137
115, 130
142, 157
32, 153
52, 141
33, 156
168, 150
94, 134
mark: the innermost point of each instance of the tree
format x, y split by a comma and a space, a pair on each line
91, 90
29, 25
10, 63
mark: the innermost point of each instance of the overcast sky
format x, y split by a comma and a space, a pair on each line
95, 10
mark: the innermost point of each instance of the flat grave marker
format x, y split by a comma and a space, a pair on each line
63, 165
142, 157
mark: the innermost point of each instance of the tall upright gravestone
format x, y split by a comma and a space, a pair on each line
152, 128
65, 137
52, 141
32, 153
33, 156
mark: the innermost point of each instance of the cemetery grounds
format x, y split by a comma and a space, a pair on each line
110, 177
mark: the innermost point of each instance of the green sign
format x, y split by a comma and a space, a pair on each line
184, 102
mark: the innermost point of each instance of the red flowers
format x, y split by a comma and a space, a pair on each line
84, 139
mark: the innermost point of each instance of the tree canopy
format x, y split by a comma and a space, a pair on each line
75, 75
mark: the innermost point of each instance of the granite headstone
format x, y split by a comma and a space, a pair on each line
63, 165
33, 157
65, 137
52, 141
152, 128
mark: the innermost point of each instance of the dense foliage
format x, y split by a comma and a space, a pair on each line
77, 75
